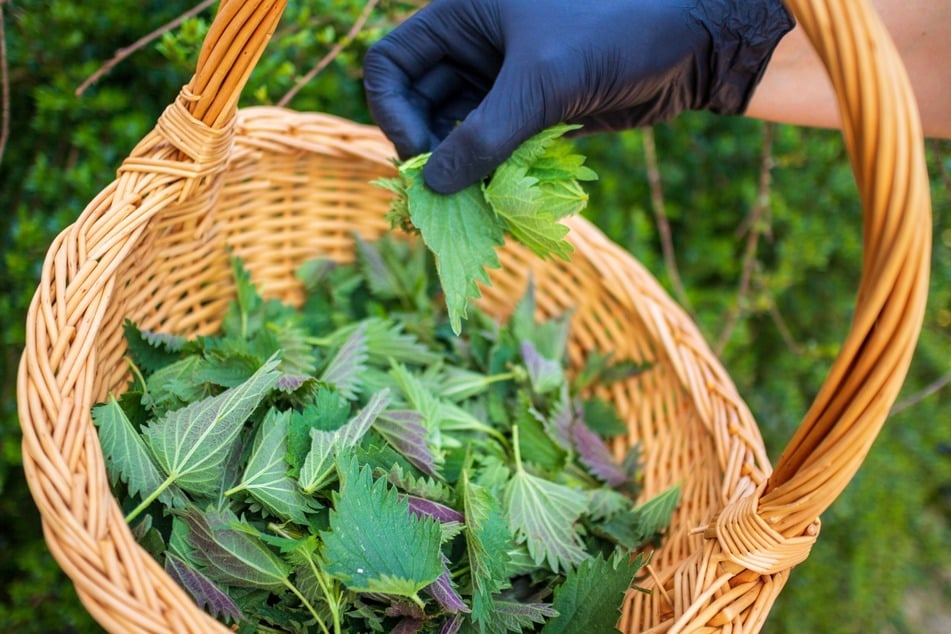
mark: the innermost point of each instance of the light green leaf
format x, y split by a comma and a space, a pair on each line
654, 514
345, 367
543, 514
517, 199
488, 543
462, 232
128, 457
318, 467
190, 444
266, 476
403, 563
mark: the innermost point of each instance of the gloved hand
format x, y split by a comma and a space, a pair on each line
471, 79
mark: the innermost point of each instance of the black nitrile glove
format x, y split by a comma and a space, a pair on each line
504, 70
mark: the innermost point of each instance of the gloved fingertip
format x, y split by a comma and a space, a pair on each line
443, 179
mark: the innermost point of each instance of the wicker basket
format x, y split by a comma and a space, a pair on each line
279, 187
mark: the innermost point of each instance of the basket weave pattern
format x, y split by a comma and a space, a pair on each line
278, 187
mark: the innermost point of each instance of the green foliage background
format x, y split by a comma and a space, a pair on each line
879, 565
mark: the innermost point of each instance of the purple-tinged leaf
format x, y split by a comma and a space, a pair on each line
230, 556
546, 375
559, 423
292, 382
408, 626
404, 608
203, 590
516, 616
344, 369
421, 506
404, 431
596, 456
452, 625
445, 594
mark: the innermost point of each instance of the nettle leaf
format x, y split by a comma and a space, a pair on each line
190, 444
329, 411
517, 199
374, 543
128, 457
590, 598
463, 233
550, 337
229, 555
246, 314
543, 515
386, 340
226, 369
266, 476
601, 417
654, 514
488, 544
403, 431
595, 454
345, 367
536, 446
514, 616
206, 593
318, 467
546, 375
151, 351
174, 385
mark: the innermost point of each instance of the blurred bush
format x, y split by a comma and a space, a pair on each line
764, 248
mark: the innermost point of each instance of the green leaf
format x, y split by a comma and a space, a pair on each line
488, 544
543, 514
266, 476
387, 341
654, 514
515, 616
151, 351
463, 232
318, 467
229, 555
174, 385
374, 543
245, 315
190, 444
345, 367
517, 199
128, 457
590, 598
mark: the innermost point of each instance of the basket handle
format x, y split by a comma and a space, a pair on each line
882, 133
231, 49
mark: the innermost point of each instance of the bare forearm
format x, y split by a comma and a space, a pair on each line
796, 89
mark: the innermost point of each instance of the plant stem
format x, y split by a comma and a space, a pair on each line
151, 498
310, 608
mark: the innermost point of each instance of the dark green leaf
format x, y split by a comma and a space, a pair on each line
354, 551
590, 598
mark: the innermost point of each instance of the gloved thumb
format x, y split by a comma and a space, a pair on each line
486, 137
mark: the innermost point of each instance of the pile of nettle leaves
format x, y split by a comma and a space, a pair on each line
353, 465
